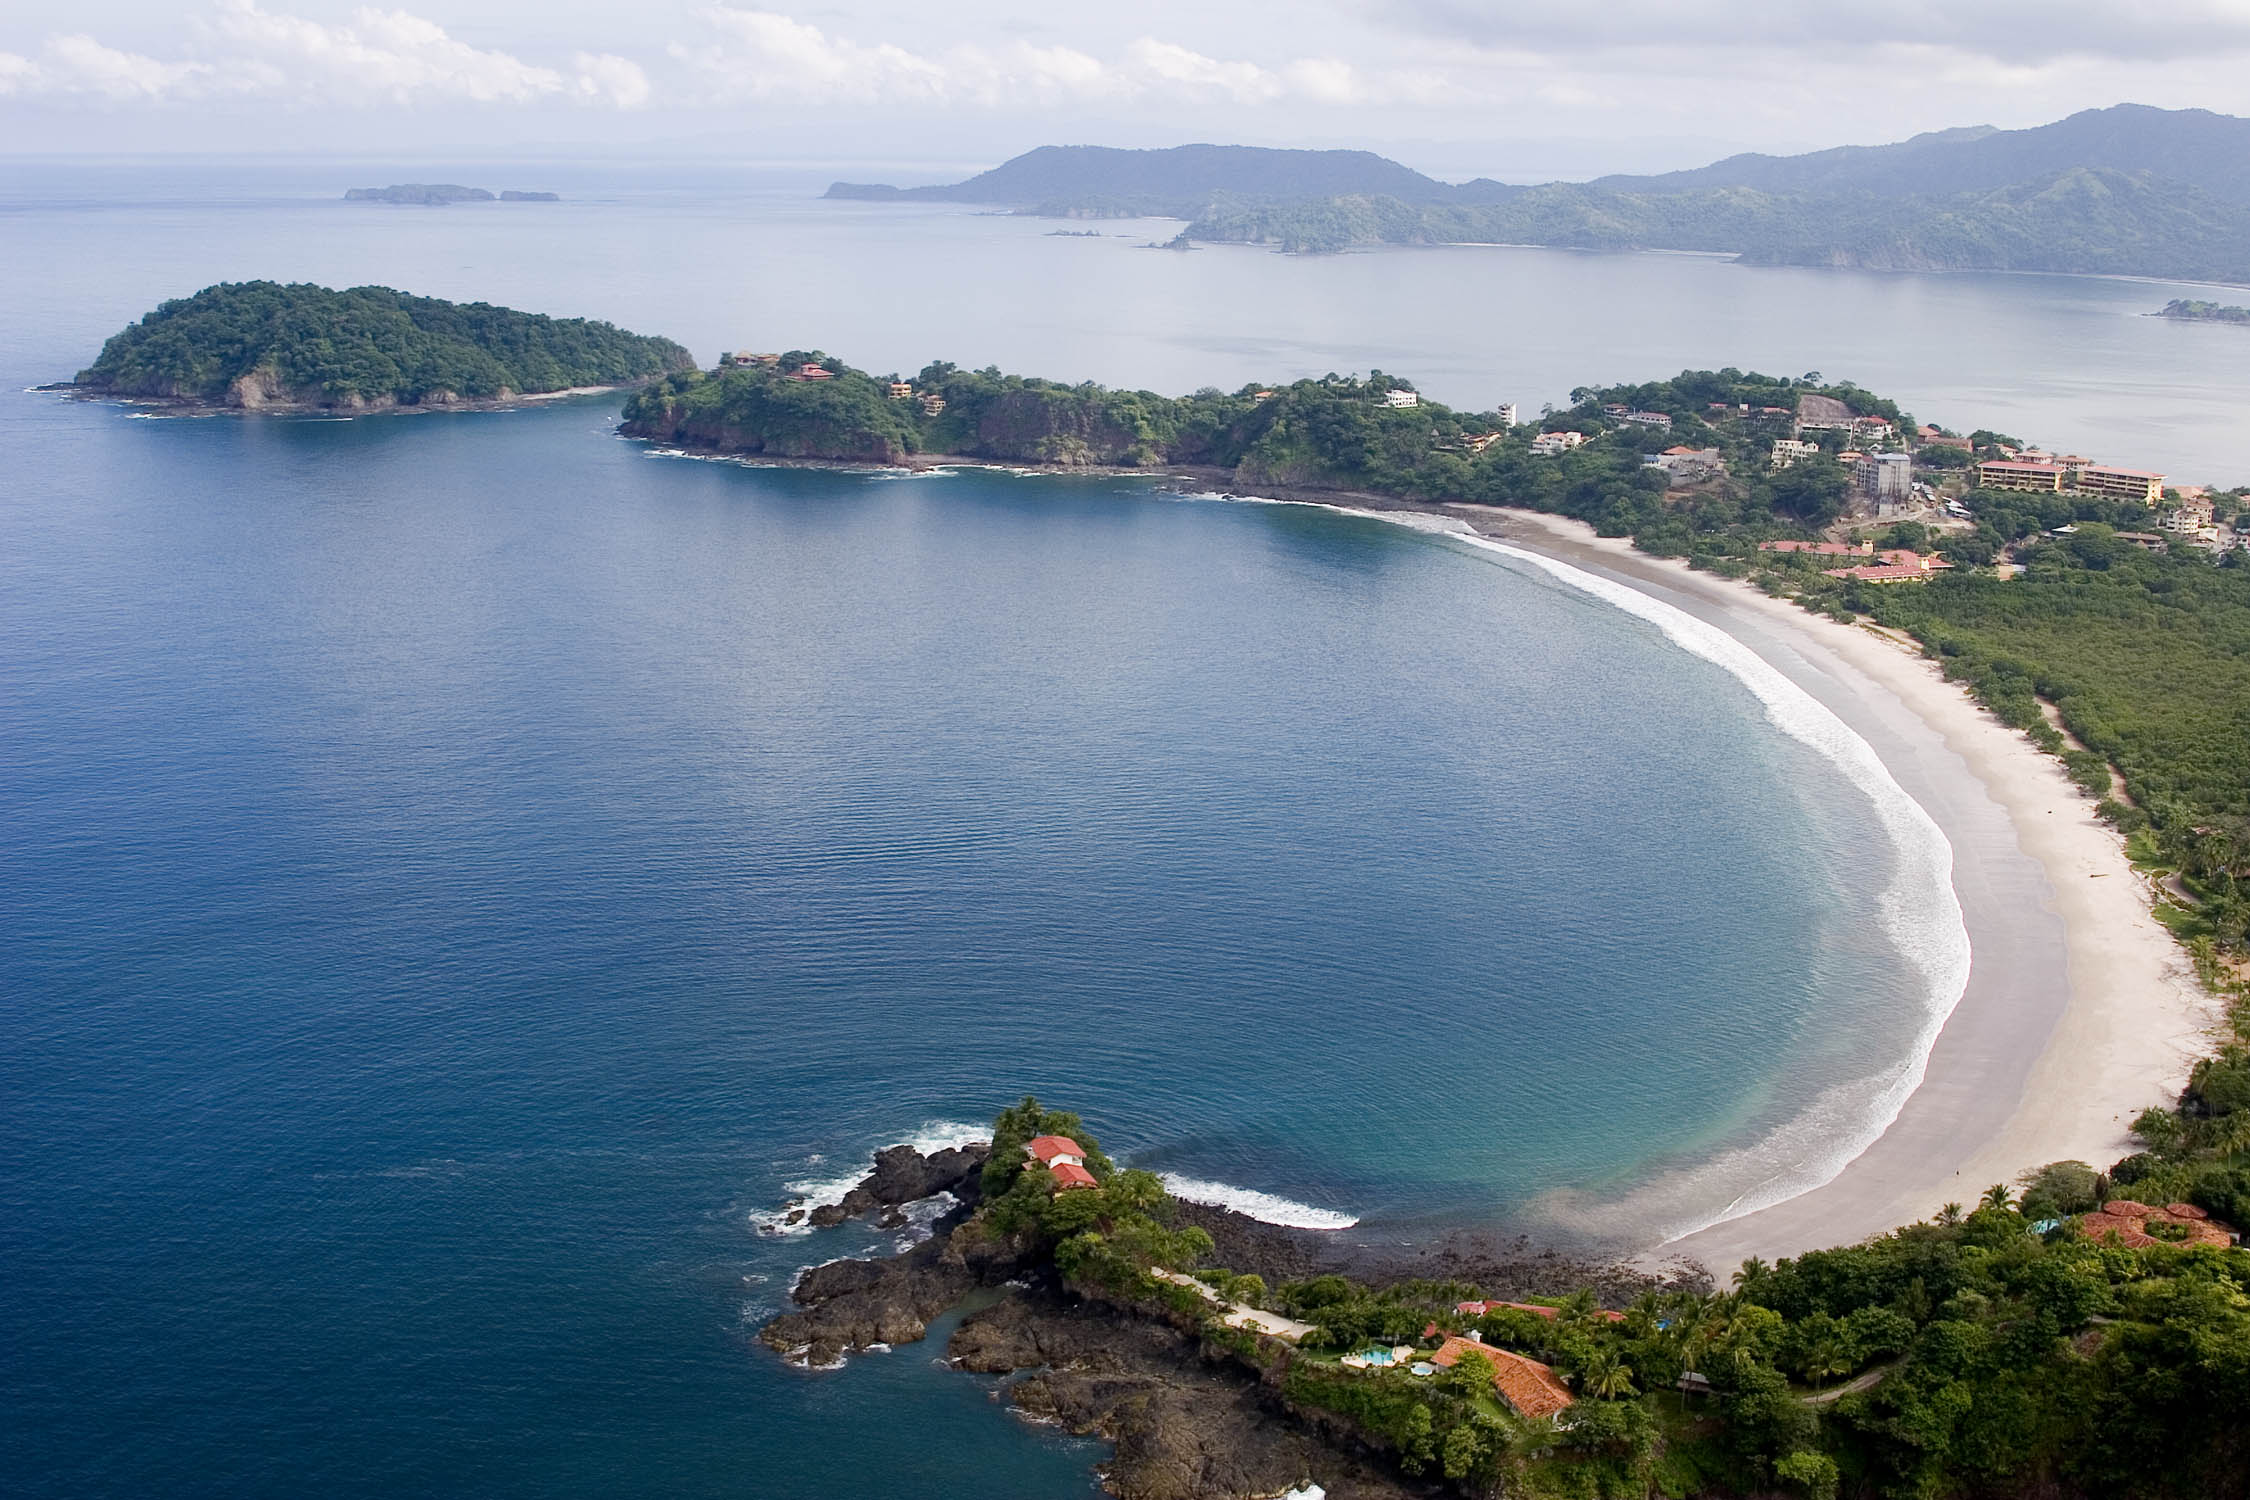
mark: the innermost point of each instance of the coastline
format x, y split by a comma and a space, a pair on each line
2080, 1009
196, 406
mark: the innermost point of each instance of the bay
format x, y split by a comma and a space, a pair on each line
461, 873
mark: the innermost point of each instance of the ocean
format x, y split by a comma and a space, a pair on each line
463, 874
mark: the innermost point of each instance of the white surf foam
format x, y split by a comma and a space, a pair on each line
1266, 1208
809, 1193
1919, 910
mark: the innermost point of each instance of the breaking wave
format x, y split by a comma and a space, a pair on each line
1266, 1208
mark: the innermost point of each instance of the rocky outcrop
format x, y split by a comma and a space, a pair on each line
1183, 1425
851, 1304
903, 1175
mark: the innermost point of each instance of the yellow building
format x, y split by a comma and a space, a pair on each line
1999, 474
2122, 484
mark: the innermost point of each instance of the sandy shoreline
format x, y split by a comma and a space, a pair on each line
2080, 1010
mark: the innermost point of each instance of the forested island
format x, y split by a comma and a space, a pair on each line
262, 345
438, 194
2020, 1346
2191, 311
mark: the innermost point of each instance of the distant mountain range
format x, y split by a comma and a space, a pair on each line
2128, 190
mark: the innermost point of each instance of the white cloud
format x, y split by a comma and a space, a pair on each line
378, 56
765, 55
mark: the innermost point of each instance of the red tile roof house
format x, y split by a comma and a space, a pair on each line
1530, 1388
813, 372
1064, 1159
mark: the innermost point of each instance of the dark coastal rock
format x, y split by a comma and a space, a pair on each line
850, 1304
904, 1175
1183, 1426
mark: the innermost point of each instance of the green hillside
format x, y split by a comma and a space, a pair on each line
259, 343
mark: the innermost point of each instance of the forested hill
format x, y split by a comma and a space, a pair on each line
263, 344
2193, 147
2084, 220
1179, 179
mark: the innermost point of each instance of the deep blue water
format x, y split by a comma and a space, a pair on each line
459, 869
456, 872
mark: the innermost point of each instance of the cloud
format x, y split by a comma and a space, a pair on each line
766, 55
378, 56
2003, 31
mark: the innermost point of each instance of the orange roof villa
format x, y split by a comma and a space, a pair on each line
1530, 1388
1064, 1159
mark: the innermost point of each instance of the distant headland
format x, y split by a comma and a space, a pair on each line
261, 345
2187, 310
438, 194
2128, 190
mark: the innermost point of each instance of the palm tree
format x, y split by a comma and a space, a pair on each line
1826, 1360
1750, 1273
1950, 1214
1997, 1196
1606, 1376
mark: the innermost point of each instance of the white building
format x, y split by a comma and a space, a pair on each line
1787, 451
1548, 444
1396, 397
1507, 414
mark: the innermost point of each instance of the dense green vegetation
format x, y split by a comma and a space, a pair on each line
259, 342
1996, 1351
2082, 219
2190, 310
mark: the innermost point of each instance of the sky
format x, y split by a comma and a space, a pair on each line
1456, 87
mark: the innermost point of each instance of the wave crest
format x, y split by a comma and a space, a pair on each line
1266, 1208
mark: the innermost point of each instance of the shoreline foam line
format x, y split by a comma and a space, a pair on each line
1266, 1208
1920, 911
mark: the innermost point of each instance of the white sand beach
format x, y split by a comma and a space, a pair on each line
2079, 1011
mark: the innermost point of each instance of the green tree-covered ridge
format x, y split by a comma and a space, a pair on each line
1994, 1351
261, 342
2190, 310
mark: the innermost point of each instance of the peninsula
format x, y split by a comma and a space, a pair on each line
2188, 310
2040, 1343
264, 346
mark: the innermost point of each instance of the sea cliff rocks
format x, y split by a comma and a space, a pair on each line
903, 1175
1184, 1426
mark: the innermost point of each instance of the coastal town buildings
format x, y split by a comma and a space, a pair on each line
1548, 444
2121, 484
932, 403
811, 371
1655, 419
1787, 451
901, 390
2014, 474
2138, 1226
1507, 414
1931, 437
1397, 397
